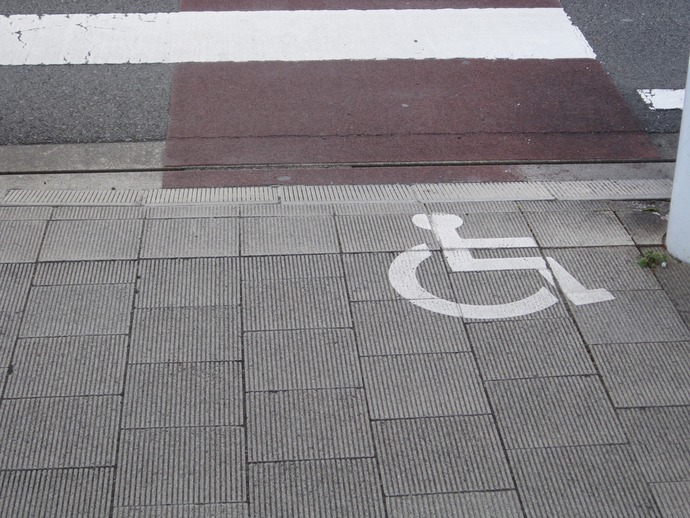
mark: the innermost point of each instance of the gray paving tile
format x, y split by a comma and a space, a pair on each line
91, 240
295, 304
311, 359
645, 374
77, 213
72, 366
268, 210
196, 334
58, 432
563, 206
189, 282
675, 279
25, 213
290, 267
634, 316
9, 330
15, 281
658, 206
381, 233
424, 385
78, 310
493, 225
202, 237
471, 207
343, 488
494, 504
504, 287
673, 498
289, 235
50, 493
183, 394
367, 276
440, 455
612, 268
583, 481
239, 510
181, 466
529, 348
549, 412
659, 437
556, 229
192, 211
20, 240
646, 228
308, 424
399, 327
356, 209
85, 272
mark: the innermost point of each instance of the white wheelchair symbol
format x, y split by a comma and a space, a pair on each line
402, 273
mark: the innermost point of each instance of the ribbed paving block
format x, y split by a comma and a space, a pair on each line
78, 310
646, 228
633, 316
59, 432
161, 335
440, 455
367, 276
9, 330
645, 374
184, 511
673, 498
423, 385
311, 359
480, 191
78, 213
584, 481
347, 193
568, 229
202, 237
85, 272
286, 210
381, 233
20, 240
188, 282
343, 488
399, 327
51, 493
563, 206
529, 348
470, 207
287, 236
611, 189
354, 209
269, 268
91, 240
183, 394
308, 424
24, 213
295, 304
611, 268
659, 437
192, 211
493, 226
494, 504
71, 366
211, 195
15, 280
181, 466
66, 197
548, 412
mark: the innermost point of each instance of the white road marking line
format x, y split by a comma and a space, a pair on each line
522, 33
663, 99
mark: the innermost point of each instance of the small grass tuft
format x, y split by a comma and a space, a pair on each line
653, 259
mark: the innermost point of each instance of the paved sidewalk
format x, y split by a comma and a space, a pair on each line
254, 359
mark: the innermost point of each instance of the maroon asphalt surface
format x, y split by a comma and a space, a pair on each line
309, 122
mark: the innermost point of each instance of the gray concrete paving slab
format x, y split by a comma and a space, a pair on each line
9, 330
188, 282
307, 425
675, 279
21, 240
70, 366
15, 281
343, 487
673, 498
289, 235
575, 229
645, 374
190, 334
583, 481
91, 240
201, 237
290, 267
646, 228
493, 504
397, 327
305, 359
471, 207
480, 225
552, 412
174, 466
295, 304
274, 210
70, 432
239, 510
192, 211
423, 385
170, 395
633, 316
57, 492
357, 209
563, 206
381, 233
529, 349
659, 438
25, 213
440, 455
85, 272
78, 213
78, 310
